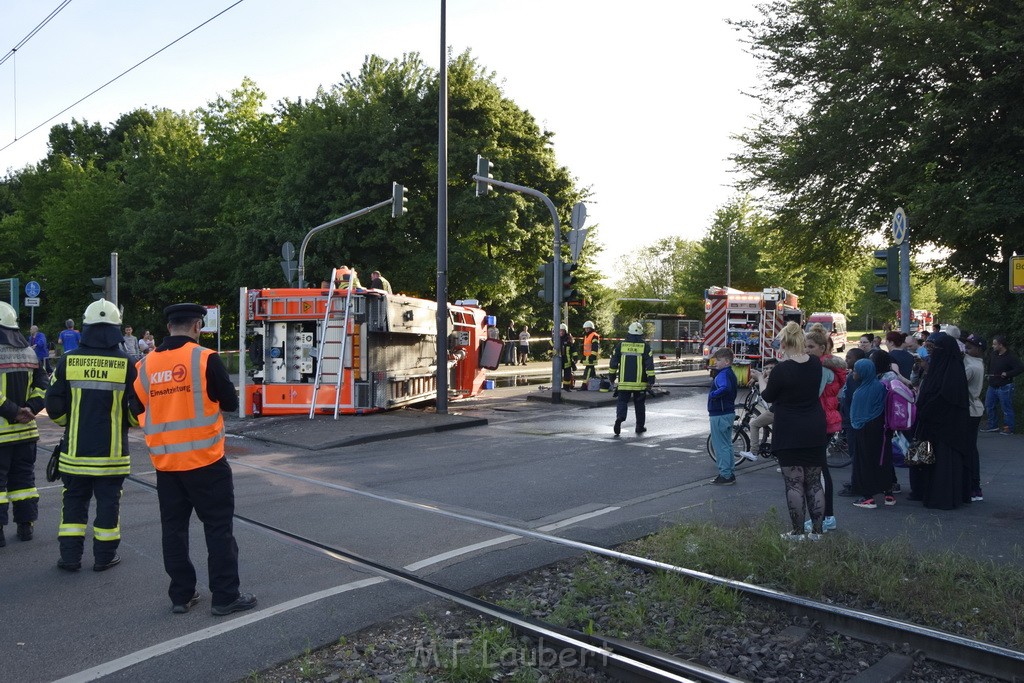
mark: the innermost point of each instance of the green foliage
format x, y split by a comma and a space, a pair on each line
859, 119
198, 204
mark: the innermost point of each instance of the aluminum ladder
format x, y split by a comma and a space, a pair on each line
329, 317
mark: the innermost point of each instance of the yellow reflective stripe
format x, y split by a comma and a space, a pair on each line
71, 530
3, 497
23, 494
106, 534
18, 432
62, 420
186, 446
76, 402
37, 393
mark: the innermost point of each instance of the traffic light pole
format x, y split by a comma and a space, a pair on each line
905, 284
331, 224
556, 360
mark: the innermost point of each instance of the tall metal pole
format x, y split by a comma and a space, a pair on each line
442, 222
113, 277
905, 283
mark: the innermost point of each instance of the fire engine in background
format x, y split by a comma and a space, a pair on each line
349, 350
746, 322
920, 319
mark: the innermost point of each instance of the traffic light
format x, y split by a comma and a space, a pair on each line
106, 289
483, 169
890, 273
546, 281
569, 291
399, 201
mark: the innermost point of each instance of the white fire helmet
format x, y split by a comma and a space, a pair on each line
8, 318
102, 312
563, 327
636, 328
589, 325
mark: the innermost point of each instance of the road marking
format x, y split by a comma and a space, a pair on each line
641, 445
465, 550
140, 656
683, 450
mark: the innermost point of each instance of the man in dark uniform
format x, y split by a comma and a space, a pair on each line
22, 386
633, 363
90, 399
183, 388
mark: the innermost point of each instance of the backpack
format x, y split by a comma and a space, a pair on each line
900, 406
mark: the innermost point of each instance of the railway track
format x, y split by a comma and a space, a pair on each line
632, 662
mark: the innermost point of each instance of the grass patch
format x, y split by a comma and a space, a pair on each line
978, 599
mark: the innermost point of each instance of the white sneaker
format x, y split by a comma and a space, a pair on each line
748, 455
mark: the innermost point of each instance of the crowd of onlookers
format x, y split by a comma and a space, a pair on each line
939, 376
69, 338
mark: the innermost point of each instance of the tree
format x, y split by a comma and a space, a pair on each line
872, 105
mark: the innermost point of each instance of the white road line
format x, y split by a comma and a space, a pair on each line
641, 445
683, 450
163, 648
145, 654
465, 550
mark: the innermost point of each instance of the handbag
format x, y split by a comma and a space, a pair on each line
921, 453
53, 466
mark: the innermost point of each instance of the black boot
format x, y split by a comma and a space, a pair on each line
24, 531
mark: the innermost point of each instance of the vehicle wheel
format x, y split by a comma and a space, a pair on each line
837, 453
740, 442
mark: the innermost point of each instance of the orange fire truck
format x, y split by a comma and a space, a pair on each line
349, 350
746, 321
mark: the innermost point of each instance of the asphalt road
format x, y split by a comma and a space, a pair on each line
534, 466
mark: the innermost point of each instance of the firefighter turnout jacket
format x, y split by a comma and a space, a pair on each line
183, 387
633, 362
90, 397
23, 384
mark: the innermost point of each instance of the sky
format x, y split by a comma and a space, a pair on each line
642, 97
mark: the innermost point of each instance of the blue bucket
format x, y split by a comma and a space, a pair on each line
488, 384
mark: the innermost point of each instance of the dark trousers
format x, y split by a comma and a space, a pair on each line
639, 404
210, 492
74, 517
18, 482
589, 367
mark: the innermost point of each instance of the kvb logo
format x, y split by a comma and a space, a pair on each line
176, 374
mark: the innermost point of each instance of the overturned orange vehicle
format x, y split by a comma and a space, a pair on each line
350, 350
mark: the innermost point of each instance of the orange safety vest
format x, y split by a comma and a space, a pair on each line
589, 342
184, 429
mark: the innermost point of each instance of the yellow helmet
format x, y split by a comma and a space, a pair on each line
102, 312
8, 318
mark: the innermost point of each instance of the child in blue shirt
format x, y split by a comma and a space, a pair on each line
722, 414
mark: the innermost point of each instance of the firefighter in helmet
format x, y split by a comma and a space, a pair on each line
91, 398
632, 363
591, 350
22, 386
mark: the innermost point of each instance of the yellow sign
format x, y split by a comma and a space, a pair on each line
1017, 274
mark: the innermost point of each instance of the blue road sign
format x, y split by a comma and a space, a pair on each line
32, 289
899, 225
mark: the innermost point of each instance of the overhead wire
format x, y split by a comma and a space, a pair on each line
34, 31
125, 72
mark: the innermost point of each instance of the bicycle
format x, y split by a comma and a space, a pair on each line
753, 405
837, 453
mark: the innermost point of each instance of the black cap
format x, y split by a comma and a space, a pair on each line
975, 340
183, 312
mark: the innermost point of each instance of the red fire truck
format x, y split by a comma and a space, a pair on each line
746, 321
350, 350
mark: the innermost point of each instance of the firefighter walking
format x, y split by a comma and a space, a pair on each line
183, 388
90, 398
23, 384
632, 363
591, 351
